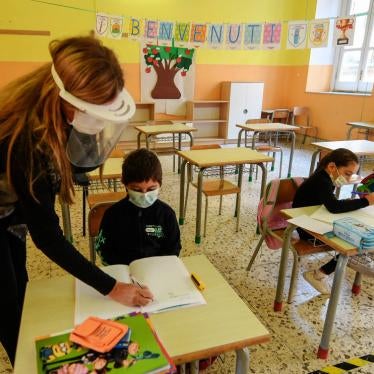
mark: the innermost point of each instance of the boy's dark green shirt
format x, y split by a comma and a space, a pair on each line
128, 233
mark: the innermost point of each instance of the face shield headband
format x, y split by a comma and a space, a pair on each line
95, 128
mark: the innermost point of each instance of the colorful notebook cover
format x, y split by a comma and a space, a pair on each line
139, 352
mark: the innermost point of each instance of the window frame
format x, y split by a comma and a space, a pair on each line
358, 86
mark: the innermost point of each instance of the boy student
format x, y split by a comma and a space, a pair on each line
334, 170
140, 225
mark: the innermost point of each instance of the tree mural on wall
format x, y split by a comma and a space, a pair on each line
167, 61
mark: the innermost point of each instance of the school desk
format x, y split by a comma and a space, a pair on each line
367, 126
176, 128
206, 158
345, 249
359, 147
269, 128
224, 324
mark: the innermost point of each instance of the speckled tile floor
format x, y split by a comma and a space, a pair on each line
296, 331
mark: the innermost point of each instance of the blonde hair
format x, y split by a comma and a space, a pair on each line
33, 116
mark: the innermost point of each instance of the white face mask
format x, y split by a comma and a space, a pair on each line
141, 199
86, 124
340, 180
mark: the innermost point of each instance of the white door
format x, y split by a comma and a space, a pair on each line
245, 103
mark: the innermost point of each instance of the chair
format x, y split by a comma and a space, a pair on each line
267, 147
163, 138
98, 204
279, 195
303, 112
280, 115
213, 187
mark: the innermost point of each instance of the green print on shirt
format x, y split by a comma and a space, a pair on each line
100, 240
154, 230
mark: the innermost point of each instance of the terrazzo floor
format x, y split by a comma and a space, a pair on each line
297, 330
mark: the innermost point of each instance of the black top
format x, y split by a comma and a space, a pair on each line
319, 189
128, 233
42, 220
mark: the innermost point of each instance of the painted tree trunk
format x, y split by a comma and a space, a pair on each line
165, 87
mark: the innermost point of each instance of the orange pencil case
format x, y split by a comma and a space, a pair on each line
98, 334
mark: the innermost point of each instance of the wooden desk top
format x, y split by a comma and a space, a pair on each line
163, 129
112, 169
264, 127
223, 156
368, 124
337, 244
224, 324
360, 147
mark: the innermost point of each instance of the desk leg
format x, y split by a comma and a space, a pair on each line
253, 147
198, 206
283, 267
66, 222
293, 136
147, 141
242, 361
238, 195
181, 192
239, 144
323, 349
263, 178
194, 367
138, 138
240, 137
349, 132
313, 162
179, 148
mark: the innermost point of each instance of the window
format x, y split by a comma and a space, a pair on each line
354, 65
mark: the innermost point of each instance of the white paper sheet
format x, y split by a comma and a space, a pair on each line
365, 215
311, 224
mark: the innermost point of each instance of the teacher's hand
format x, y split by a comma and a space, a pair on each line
130, 294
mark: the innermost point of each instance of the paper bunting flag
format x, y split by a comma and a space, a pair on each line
116, 27
182, 33
165, 32
135, 29
234, 35
215, 35
272, 35
252, 35
318, 34
198, 34
102, 22
297, 34
150, 31
344, 31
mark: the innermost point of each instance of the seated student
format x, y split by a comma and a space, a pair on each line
334, 170
140, 225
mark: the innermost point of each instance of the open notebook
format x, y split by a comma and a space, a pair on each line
166, 277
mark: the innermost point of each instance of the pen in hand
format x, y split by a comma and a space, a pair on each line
147, 294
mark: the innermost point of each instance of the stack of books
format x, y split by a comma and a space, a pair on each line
355, 232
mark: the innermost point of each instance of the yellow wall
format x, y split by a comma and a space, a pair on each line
284, 71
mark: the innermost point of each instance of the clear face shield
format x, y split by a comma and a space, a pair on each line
96, 129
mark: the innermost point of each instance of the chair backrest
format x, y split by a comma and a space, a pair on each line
95, 216
205, 146
281, 115
257, 120
279, 195
303, 113
117, 153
